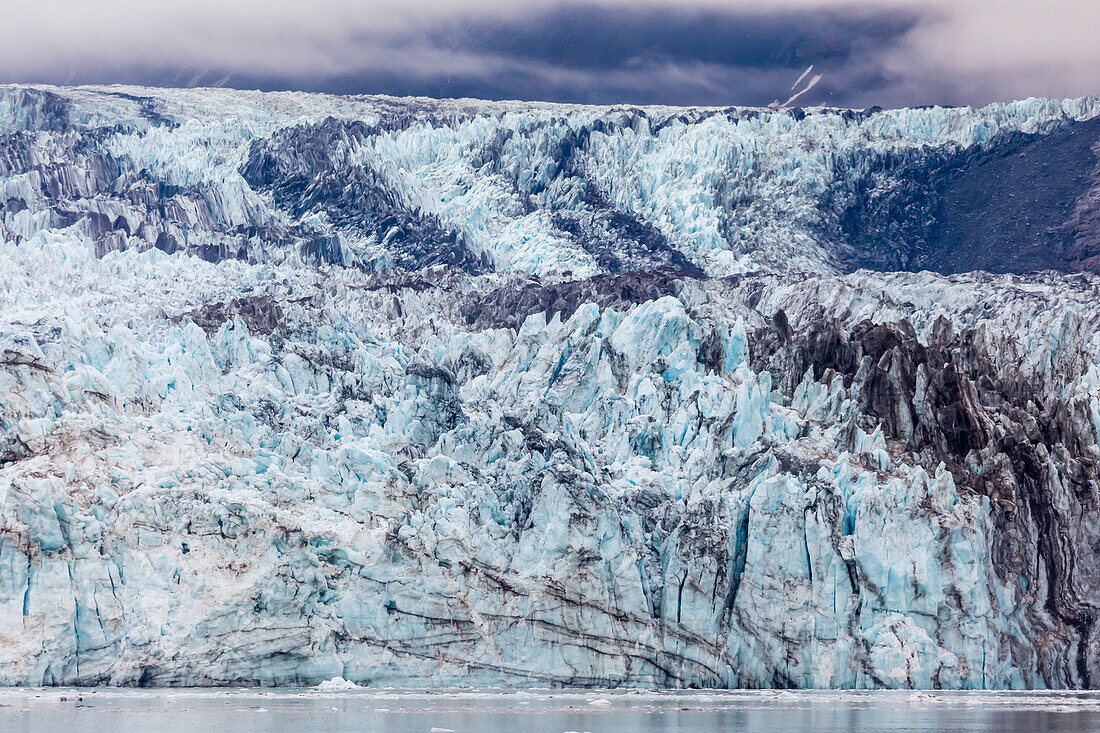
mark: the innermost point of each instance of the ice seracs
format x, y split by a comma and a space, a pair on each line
521, 429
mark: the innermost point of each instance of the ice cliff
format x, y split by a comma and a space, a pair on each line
421, 392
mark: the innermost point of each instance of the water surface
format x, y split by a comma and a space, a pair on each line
246, 710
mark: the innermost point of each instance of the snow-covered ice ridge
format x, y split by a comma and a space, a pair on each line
382, 183
460, 393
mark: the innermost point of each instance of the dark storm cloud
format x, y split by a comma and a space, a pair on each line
713, 52
598, 54
597, 37
594, 53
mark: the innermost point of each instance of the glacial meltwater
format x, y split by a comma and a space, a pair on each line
49, 710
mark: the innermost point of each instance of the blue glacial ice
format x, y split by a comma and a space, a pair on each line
268, 469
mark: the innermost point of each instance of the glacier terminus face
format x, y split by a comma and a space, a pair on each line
419, 392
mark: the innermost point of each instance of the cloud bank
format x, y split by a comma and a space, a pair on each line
712, 52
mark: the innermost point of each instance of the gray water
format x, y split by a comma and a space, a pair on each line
176, 711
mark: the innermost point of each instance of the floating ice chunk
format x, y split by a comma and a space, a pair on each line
337, 684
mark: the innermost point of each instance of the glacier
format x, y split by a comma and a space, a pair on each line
454, 393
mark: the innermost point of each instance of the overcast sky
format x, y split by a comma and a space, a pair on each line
713, 52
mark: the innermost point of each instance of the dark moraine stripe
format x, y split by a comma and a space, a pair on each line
305, 170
